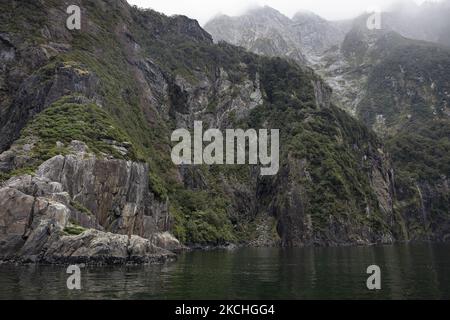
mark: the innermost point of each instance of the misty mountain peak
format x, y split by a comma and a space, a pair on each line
307, 16
264, 10
265, 30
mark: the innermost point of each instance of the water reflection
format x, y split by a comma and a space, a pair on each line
408, 272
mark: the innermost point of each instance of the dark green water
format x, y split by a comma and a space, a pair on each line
408, 272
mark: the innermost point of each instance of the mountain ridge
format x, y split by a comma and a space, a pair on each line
396, 86
78, 103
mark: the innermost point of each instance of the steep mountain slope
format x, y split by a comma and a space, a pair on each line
306, 38
86, 120
263, 31
267, 31
399, 87
320, 41
407, 102
316, 34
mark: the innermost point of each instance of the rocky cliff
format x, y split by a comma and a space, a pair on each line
86, 122
43, 218
405, 101
266, 31
396, 84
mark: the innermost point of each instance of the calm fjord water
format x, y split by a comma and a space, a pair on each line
408, 272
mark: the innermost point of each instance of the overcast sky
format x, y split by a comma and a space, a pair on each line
203, 10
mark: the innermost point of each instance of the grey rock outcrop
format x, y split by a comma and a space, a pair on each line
296, 224
263, 31
116, 191
33, 230
266, 31
96, 247
36, 211
212, 102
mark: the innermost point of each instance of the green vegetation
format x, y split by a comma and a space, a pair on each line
201, 218
78, 206
423, 154
24, 19
408, 82
332, 144
130, 63
65, 121
157, 186
73, 229
407, 89
4, 176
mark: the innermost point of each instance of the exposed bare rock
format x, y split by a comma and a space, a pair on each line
96, 247
32, 230
116, 191
15, 213
266, 31
95, 194
246, 96
167, 241
262, 30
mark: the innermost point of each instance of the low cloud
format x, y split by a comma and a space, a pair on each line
203, 10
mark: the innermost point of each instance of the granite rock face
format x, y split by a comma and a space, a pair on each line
37, 211
266, 31
33, 230
96, 247
262, 31
115, 190
290, 202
